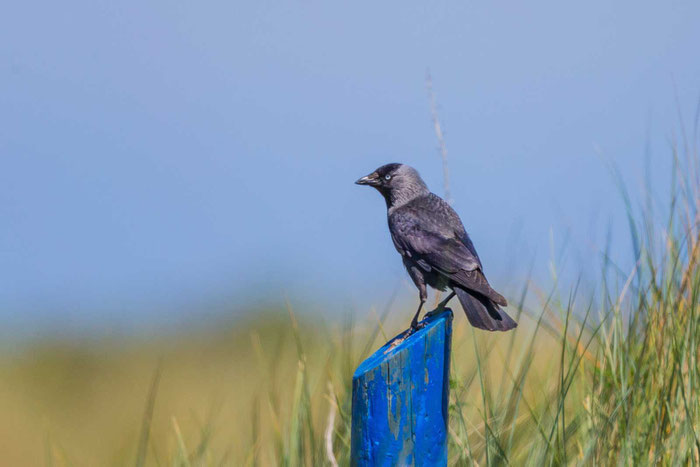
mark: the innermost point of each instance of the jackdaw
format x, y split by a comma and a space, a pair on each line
435, 248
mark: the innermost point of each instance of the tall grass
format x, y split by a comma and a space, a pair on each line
600, 378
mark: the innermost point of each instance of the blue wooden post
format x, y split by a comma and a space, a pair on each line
400, 399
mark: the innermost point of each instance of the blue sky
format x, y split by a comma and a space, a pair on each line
159, 157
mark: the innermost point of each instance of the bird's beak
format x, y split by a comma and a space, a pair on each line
371, 180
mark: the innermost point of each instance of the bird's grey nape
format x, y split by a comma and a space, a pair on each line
406, 185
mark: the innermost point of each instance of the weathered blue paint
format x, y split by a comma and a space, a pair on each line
400, 399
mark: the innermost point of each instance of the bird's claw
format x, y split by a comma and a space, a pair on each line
432, 313
414, 327
436, 311
406, 334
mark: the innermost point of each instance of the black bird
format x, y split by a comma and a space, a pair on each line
435, 248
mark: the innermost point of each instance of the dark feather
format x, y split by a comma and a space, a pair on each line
475, 280
429, 232
482, 313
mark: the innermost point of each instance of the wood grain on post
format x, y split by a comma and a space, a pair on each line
400, 399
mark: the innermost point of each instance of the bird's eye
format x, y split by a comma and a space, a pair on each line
387, 177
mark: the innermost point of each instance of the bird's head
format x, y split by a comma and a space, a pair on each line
398, 183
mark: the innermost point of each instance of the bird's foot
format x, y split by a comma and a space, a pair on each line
442, 306
439, 309
415, 326
405, 335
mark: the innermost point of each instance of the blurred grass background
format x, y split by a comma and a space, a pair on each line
600, 377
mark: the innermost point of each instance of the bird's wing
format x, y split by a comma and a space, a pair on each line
419, 235
432, 243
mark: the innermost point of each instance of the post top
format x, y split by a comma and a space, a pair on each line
399, 343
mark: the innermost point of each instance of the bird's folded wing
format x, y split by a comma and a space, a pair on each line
434, 248
439, 248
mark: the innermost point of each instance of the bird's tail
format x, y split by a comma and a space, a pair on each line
483, 313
